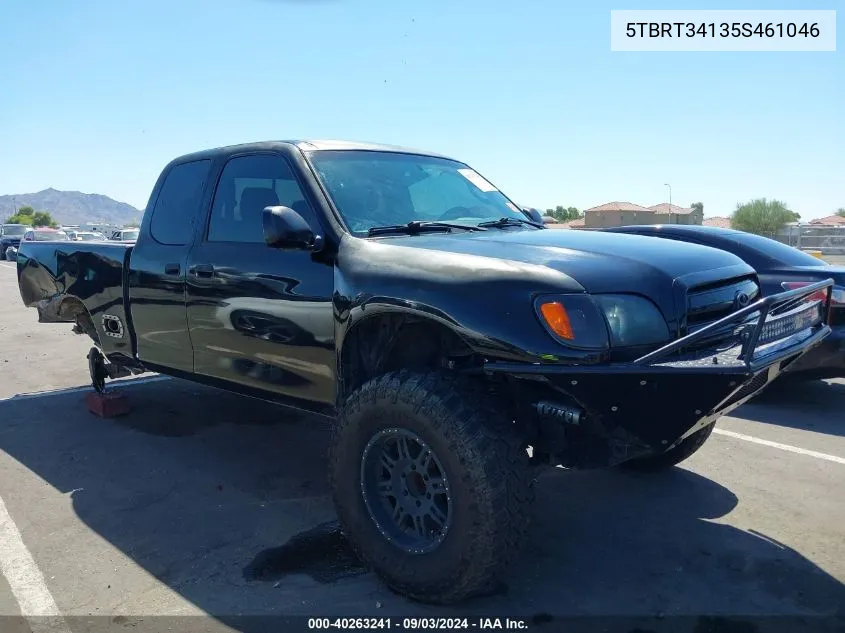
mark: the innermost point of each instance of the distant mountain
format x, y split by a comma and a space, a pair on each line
72, 207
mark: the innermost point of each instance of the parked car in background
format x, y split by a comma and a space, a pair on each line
87, 236
779, 267
10, 237
44, 234
125, 235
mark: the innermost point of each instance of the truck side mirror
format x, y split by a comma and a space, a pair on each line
285, 228
533, 214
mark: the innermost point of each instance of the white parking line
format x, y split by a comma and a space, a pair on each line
18, 567
783, 447
16, 562
60, 392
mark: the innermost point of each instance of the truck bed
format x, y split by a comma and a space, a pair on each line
62, 278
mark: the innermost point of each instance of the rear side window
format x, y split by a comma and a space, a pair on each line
178, 203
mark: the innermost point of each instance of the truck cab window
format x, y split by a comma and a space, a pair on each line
175, 210
246, 186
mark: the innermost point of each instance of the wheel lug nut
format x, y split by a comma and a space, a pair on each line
429, 495
405, 493
419, 503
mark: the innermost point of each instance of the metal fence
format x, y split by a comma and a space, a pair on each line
830, 240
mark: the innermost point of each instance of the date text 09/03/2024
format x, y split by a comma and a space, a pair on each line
721, 30
417, 624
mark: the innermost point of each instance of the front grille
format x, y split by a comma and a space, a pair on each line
706, 304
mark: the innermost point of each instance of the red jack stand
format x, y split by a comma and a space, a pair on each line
107, 405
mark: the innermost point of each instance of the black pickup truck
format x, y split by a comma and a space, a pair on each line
457, 342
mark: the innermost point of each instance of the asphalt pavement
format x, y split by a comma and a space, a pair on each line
180, 515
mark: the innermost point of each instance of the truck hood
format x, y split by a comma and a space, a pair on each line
598, 261
483, 284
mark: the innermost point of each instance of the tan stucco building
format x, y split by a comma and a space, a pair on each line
625, 213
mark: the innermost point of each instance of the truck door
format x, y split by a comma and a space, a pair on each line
157, 267
259, 316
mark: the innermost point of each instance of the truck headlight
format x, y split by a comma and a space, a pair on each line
574, 320
632, 320
597, 322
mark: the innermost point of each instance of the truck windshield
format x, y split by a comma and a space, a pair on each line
374, 188
14, 230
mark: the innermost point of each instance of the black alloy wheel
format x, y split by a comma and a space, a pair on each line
406, 490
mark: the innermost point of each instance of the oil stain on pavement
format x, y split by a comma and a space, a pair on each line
321, 552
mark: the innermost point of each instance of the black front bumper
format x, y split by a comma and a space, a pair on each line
649, 405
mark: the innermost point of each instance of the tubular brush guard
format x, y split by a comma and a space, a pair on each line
665, 396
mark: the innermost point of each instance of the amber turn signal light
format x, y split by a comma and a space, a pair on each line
558, 320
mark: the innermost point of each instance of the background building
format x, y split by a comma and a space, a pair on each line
626, 213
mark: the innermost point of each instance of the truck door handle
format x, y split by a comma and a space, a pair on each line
171, 269
202, 270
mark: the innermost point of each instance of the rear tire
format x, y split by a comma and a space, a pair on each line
672, 457
483, 500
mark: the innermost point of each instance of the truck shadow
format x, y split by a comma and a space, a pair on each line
813, 405
203, 489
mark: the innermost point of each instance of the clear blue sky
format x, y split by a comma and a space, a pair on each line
99, 94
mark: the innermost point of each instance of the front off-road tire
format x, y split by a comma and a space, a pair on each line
431, 440
672, 457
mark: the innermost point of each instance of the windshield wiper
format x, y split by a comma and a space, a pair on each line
415, 227
503, 222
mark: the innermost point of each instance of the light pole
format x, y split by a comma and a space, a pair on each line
666, 184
